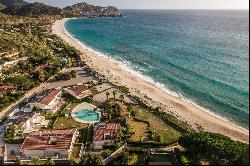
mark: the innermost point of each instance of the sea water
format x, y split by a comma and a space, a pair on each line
200, 55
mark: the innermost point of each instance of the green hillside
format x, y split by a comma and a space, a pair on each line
32, 10
13, 2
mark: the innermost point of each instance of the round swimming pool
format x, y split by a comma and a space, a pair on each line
85, 113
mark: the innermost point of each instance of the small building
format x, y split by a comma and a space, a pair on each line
104, 134
78, 91
56, 144
47, 101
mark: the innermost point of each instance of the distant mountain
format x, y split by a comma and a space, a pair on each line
85, 10
22, 8
32, 9
13, 2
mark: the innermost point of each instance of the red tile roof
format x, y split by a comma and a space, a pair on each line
46, 97
102, 129
78, 89
6, 88
49, 140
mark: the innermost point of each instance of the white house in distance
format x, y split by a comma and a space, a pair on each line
48, 100
104, 134
78, 91
55, 144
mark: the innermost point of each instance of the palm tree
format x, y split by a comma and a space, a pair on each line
114, 93
107, 94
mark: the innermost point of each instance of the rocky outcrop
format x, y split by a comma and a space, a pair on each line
86, 10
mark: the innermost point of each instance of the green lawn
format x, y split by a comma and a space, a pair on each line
148, 121
166, 132
68, 122
139, 129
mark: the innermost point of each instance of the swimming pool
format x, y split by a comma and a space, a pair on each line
85, 113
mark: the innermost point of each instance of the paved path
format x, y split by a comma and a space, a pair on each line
114, 155
13, 106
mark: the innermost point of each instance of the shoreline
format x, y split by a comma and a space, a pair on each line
152, 94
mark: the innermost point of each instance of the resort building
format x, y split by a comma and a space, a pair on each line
78, 91
48, 100
56, 144
104, 134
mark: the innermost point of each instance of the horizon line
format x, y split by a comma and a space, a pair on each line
184, 9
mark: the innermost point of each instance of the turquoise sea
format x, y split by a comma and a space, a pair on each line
202, 55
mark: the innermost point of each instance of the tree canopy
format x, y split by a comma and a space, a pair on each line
91, 159
216, 148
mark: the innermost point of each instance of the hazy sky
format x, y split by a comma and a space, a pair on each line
157, 4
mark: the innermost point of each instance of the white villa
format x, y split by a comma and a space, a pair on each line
78, 91
28, 120
104, 134
56, 144
48, 100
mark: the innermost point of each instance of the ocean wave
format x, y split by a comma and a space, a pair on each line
127, 66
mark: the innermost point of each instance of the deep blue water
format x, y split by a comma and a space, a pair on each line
203, 55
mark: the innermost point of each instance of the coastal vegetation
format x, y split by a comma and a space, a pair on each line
33, 62
215, 148
91, 159
142, 125
66, 75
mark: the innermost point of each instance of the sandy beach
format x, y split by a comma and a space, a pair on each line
152, 95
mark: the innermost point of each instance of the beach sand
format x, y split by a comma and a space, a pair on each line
152, 95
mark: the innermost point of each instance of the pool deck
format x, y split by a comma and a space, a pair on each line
80, 106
